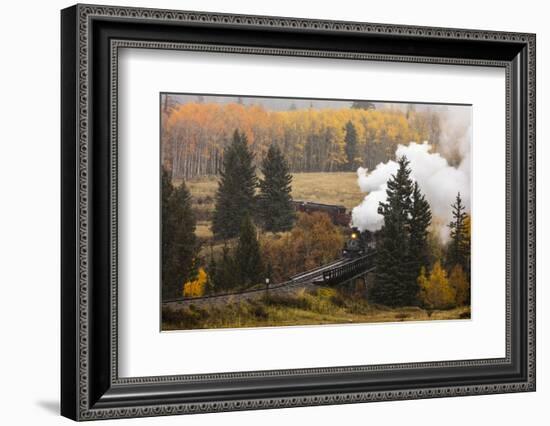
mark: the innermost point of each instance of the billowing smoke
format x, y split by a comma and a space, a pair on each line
438, 180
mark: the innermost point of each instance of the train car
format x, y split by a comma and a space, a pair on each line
338, 214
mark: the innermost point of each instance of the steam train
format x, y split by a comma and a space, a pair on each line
355, 245
358, 243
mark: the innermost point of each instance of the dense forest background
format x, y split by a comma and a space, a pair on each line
195, 134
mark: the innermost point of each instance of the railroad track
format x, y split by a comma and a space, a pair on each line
309, 279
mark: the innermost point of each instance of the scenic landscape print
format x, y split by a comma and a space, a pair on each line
292, 211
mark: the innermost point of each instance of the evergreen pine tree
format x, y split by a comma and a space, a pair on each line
275, 209
394, 284
167, 225
351, 146
179, 243
212, 271
468, 242
247, 258
236, 190
222, 272
227, 277
419, 221
459, 247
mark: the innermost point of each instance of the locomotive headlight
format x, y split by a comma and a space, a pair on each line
353, 236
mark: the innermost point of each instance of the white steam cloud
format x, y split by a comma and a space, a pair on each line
438, 180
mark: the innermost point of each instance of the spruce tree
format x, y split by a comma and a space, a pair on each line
167, 232
226, 277
394, 284
247, 258
459, 247
275, 209
179, 243
419, 221
351, 146
236, 190
399, 190
212, 270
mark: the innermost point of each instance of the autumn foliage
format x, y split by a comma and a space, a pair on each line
436, 292
461, 284
312, 140
196, 287
256, 236
314, 241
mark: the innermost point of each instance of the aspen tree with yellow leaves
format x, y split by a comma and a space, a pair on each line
436, 291
195, 135
196, 287
459, 281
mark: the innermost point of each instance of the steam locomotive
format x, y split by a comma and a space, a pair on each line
358, 244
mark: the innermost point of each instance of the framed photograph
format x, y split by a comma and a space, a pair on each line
263, 212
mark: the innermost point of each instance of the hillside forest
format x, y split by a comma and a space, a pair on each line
231, 174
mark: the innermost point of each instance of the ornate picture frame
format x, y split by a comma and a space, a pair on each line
91, 39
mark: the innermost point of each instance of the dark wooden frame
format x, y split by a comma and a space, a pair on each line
90, 386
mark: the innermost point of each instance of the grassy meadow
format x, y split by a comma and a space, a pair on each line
321, 306
329, 188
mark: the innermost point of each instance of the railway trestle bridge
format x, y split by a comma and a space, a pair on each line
333, 274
